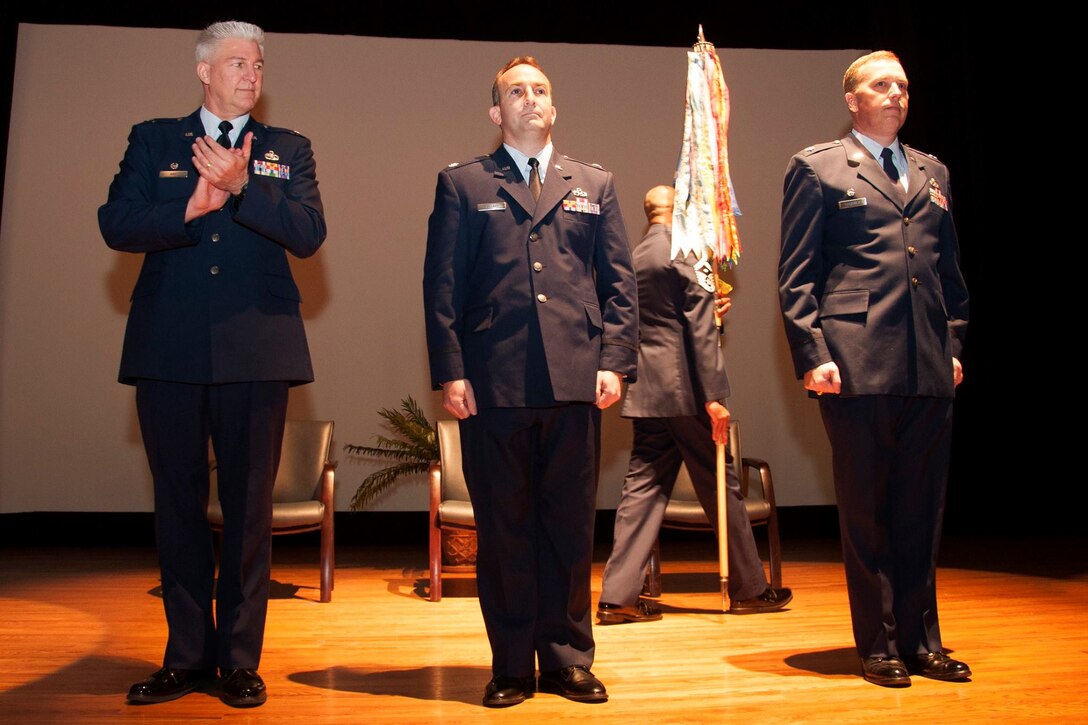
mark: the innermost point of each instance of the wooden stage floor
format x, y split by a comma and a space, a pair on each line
77, 626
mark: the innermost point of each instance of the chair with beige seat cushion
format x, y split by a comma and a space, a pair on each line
303, 496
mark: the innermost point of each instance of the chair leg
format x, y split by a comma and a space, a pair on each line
774, 550
436, 562
653, 571
328, 563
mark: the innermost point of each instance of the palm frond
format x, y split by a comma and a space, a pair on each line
416, 448
377, 482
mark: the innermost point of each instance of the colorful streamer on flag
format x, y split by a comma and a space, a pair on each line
705, 209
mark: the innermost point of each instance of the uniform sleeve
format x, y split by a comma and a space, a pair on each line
953, 286
700, 334
616, 289
286, 211
444, 280
133, 219
800, 266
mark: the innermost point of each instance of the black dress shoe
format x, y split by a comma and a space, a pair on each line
643, 611
885, 671
242, 688
574, 683
771, 600
938, 666
506, 691
169, 684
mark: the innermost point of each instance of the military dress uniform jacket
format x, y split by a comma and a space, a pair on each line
680, 364
869, 275
215, 301
505, 275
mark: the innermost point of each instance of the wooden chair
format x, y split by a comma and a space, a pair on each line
303, 496
685, 512
451, 509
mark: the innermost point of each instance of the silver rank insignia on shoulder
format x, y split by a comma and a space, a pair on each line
491, 206
704, 274
579, 191
454, 165
271, 155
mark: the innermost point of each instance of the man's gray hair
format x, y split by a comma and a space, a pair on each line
210, 37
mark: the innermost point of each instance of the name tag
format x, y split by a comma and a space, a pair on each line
491, 206
851, 203
182, 174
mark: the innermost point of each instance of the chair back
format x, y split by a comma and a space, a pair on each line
307, 445
449, 450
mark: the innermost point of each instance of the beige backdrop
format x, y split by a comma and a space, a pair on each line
384, 116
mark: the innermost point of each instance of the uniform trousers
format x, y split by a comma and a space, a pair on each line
245, 423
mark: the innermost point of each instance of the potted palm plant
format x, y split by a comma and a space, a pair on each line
412, 451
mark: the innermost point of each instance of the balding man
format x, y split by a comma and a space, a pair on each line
875, 309
679, 414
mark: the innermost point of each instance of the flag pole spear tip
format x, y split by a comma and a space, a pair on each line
702, 38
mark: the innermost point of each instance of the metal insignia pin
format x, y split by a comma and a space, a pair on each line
850, 192
271, 155
174, 165
579, 191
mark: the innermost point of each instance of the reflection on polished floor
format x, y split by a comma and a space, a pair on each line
78, 626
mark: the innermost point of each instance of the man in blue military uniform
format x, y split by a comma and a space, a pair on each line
531, 315
875, 309
214, 339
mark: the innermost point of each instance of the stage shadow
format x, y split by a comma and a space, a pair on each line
116, 675
276, 590
456, 683
838, 662
416, 584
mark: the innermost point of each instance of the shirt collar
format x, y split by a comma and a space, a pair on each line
211, 125
522, 160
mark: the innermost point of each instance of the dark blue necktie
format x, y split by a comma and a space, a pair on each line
226, 126
889, 167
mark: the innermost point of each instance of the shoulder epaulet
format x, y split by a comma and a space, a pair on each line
584, 163
920, 152
457, 164
809, 150
277, 129
162, 120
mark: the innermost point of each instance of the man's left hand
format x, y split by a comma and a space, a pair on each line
609, 385
226, 169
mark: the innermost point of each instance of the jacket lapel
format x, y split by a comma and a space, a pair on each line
511, 183
555, 189
873, 173
919, 179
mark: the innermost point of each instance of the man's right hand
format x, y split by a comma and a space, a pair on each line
205, 199
458, 398
824, 379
